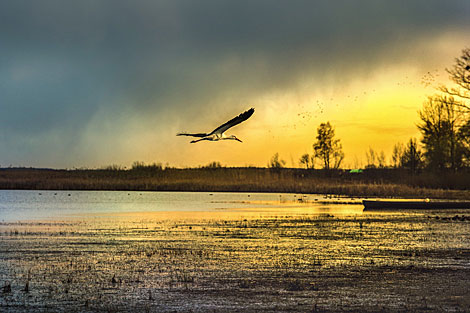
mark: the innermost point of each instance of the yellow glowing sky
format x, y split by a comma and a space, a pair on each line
377, 110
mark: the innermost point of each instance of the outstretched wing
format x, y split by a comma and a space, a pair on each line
192, 135
234, 121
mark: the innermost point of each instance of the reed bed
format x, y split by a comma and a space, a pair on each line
370, 183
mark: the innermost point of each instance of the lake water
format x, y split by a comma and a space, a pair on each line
21, 205
116, 251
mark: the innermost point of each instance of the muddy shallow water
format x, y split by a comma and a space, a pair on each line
253, 255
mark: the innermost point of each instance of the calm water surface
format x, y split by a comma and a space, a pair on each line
20, 205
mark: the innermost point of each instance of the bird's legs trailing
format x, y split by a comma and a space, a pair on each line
192, 135
194, 141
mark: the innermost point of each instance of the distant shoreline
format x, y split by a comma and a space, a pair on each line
370, 183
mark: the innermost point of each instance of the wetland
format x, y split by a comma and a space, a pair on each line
110, 251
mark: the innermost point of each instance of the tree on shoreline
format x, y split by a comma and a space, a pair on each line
440, 124
307, 160
464, 139
412, 156
397, 154
328, 149
445, 123
276, 162
371, 158
375, 159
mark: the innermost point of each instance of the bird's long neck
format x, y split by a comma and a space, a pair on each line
232, 137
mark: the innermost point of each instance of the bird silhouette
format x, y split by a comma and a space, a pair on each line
219, 133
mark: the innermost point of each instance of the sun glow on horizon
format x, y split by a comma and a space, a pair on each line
376, 111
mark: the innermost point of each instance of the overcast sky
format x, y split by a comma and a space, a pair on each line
93, 83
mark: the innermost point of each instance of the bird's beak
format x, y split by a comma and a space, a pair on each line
238, 139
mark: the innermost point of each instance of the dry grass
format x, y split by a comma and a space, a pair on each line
371, 183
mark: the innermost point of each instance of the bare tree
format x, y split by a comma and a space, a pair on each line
307, 161
276, 162
464, 142
439, 125
460, 75
381, 159
371, 158
397, 154
412, 156
328, 149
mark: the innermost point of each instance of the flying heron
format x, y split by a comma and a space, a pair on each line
219, 133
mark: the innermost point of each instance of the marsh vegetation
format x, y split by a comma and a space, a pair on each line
370, 183
238, 262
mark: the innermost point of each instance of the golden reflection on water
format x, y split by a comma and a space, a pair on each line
290, 209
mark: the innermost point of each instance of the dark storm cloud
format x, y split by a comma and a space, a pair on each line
61, 62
